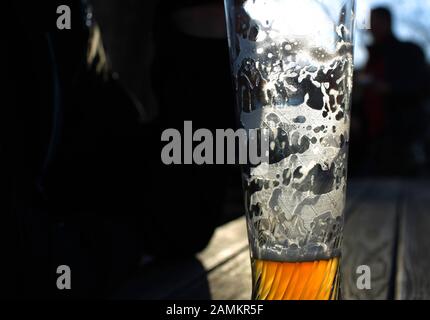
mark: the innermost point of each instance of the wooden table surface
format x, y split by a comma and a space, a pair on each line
387, 228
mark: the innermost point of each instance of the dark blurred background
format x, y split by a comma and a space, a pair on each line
79, 163
84, 184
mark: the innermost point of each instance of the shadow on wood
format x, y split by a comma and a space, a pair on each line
167, 279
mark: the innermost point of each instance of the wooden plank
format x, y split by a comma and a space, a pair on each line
232, 280
226, 242
413, 281
370, 239
356, 190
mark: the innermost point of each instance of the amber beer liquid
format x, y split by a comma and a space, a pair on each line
310, 280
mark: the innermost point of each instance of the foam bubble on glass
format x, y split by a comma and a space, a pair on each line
297, 43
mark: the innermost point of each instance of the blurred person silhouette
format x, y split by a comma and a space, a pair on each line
394, 82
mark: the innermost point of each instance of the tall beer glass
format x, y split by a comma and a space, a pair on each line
292, 65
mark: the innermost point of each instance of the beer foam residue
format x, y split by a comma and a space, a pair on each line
300, 92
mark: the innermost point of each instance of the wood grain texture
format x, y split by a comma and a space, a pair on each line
227, 263
226, 242
370, 239
413, 279
232, 280
356, 191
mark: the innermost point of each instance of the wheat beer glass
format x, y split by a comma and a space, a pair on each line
292, 65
